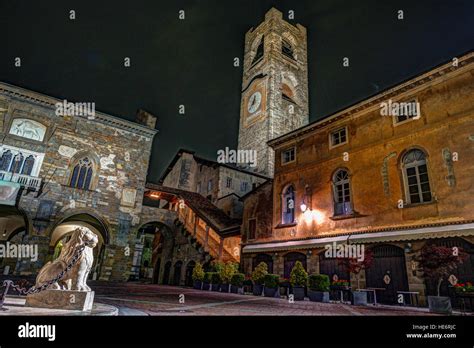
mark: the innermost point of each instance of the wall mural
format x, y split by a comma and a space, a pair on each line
29, 129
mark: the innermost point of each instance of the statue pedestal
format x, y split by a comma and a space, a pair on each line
62, 299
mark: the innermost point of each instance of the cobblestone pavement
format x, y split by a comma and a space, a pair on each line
145, 299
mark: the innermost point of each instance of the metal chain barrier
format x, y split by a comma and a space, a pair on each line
33, 290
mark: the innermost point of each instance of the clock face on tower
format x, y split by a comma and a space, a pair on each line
254, 102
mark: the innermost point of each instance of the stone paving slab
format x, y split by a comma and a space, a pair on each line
16, 306
164, 300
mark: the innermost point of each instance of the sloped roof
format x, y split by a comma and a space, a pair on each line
212, 215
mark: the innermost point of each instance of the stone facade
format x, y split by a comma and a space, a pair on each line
379, 213
280, 77
210, 179
65, 149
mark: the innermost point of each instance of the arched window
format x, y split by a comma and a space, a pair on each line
82, 174
342, 193
415, 177
288, 205
5, 160
28, 165
17, 163
259, 52
287, 49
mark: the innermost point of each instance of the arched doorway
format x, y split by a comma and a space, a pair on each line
332, 268
166, 273
464, 271
265, 258
63, 230
156, 272
388, 272
189, 273
154, 241
14, 226
177, 273
290, 260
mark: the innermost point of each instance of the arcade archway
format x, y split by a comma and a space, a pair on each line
153, 241
14, 226
63, 230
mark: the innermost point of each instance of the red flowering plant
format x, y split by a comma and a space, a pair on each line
438, 262
340, 282
464, 287
355, 265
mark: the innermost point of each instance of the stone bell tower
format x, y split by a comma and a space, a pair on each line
274, 98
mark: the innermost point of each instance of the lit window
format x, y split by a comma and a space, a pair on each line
415, 173
288, 205
342, 193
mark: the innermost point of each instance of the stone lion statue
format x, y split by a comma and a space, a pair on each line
76, 278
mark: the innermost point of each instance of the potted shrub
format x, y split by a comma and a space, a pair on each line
226, 272
437, 263
215, 281
206, 283
318, 288
355, 266
248, 284
270, 282
237, 283
198, 276
258, 277
298, 280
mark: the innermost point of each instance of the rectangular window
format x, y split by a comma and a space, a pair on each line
252, 228
209, 185
228, 182
338, 137
198, 187
288, 156
407, 111
244, 186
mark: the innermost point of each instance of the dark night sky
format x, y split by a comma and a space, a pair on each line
190, 62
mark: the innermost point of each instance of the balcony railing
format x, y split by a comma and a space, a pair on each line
27, 181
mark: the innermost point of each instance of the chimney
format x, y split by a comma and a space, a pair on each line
145, 118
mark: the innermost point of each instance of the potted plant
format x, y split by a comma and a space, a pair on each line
437, 263
284, 286
215, 281
226, 272
198, 276
258, 276
355, 266
298, 280
237, 283
270, 282
318, 285
248, 284
206, 283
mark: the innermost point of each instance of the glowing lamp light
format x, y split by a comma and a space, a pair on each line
303, 207
154, 195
